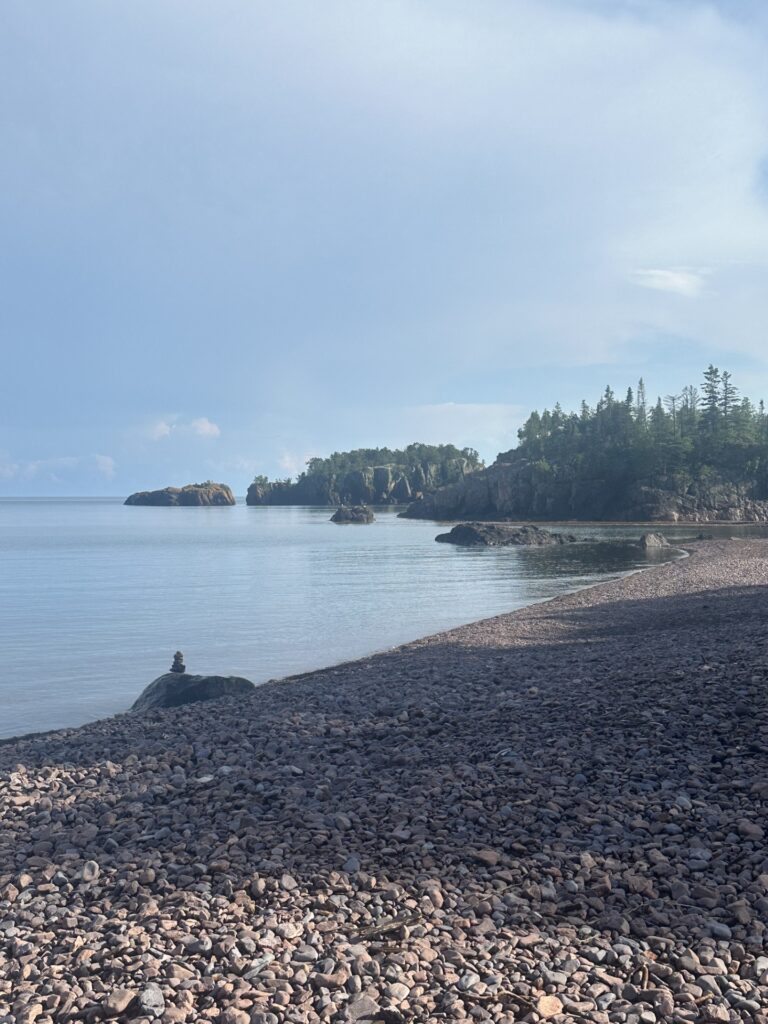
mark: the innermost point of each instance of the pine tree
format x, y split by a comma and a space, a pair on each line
728, 395
672, 402
641, 412
711, 389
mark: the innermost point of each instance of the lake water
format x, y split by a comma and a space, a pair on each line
95, 596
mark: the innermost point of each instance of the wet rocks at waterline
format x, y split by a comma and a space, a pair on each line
353, 514
502, 535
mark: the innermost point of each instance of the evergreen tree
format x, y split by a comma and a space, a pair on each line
711, 389
641, 412
728, 394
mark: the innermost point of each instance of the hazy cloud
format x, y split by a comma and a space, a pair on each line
177, 426
160, 430
293, 463
53, 468
340, 214
106, 465
204, 427
487, 426
680, 280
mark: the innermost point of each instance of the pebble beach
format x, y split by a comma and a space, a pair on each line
557, 814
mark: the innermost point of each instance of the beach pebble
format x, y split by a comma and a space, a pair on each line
454, 830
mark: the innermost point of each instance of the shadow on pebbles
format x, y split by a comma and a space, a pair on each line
553, 815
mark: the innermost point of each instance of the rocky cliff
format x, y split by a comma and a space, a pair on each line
373, 485
207, 493
521, 489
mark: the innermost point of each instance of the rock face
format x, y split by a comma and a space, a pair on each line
653, 540
374, 485
173, 689
519, 489
208, 493
353, 514
494, 535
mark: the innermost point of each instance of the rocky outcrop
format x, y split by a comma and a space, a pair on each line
174, 689
208, 493
353, 514
520, 489
652, 541
502, 535
373, 485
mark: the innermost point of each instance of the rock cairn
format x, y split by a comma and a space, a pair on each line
178, 663
557, 815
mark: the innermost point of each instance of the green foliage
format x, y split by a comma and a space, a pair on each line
406, 460
340, 463
691, 435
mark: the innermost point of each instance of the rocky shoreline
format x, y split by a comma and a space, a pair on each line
558, 814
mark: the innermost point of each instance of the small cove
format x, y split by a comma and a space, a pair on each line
95, 597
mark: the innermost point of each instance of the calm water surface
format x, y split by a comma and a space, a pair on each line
95, 596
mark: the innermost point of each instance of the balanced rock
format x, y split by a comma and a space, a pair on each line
501, 535
173, 689
353, 514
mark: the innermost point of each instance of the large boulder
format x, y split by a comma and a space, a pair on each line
501, 535
174, 689
208, 493
649, 541
352, 514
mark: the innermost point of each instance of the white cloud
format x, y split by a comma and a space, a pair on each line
204, 427
679, 280
174, 425
292, 463
8, 468
106, 465
160, 430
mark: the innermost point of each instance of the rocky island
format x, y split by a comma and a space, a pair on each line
368, 476
208, 493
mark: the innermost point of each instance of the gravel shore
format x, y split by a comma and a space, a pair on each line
558, 814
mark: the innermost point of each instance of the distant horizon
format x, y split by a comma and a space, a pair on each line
653, 396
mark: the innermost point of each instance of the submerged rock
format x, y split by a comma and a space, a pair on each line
173, 689
353, 514
207, 493
653, 540
502, 535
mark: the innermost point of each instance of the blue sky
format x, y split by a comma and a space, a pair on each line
238, 234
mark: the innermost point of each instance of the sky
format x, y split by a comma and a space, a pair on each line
237, 234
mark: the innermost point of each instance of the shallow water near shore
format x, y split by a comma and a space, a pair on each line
95, 597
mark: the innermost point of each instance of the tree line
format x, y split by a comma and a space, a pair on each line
340, 463
702, 430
